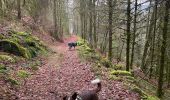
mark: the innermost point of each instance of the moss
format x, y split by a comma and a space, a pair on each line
36, 38
15, 39
34, 68
120, 72
22, 44
144, 96
149, 97
106, 62
119, 67
14, 48
23, 74
90, 54
12, 81
130, 78
3, 69
139, 91
1, 36
6, 58
81, 42
22, 33
29, 41
116, 78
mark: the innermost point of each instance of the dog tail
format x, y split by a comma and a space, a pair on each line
99, 86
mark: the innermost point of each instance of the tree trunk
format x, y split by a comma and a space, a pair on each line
163, 49
148, 36
134, 33
128, 34
94, 24
110, 28
19, 8
55, 20
90, 22
153, 40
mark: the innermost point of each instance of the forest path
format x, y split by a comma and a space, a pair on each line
65, 73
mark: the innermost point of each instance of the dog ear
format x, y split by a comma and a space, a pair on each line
74, 96
65, 98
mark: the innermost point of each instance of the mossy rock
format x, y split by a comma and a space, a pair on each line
6, 58
120, 72
14, 48
22, 44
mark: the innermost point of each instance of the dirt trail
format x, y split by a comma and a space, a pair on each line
64, 73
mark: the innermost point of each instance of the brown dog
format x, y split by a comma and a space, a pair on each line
86, 95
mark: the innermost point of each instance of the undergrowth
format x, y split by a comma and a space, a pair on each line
117, 72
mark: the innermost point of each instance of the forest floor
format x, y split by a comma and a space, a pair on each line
64, 72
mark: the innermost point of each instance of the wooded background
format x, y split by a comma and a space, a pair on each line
131, 31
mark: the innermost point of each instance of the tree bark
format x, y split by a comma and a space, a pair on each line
110, 28
19, 9
134, 34
163, 49
128, 34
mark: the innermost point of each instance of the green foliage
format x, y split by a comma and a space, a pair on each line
139, 91
6, 58
90, 54
149, 97
22, 44
34, 68
35, 65
3, 69
144, 96
120, 72
116, 78
106, 62
119, 67
12, 81
1, 36
22, 34
23, 74
14, 48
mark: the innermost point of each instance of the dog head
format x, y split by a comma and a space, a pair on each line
72, 97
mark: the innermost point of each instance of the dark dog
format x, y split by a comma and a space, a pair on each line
72, 44
86, 95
